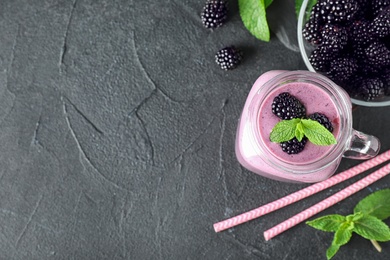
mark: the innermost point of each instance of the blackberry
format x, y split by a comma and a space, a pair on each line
312, 30
387, 90
214, 13
386, 76
341, 69
386, 81
335, 11
353, 84
286, 106
377, 54
293, 146
323, 120
228, 58
370, 88
364, 9
386, 41
381, 24
334, 37
378, 5
320, 58
360, 33
368, 70
363, 4
359, 53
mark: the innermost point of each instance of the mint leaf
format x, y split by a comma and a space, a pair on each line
343, 234
327, 223
376, 204
299, 132
354, 217
373, 228
267, 3
341, 237
317, 133
253, 16
284, 130
332, 250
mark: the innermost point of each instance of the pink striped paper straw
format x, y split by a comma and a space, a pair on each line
301, 194
326, 203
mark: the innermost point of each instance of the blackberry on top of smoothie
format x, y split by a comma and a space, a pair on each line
287, 107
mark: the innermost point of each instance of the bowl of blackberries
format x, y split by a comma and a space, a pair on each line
348, 41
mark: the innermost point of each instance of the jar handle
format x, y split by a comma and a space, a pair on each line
362, 146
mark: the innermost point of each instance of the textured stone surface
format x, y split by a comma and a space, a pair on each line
117, 136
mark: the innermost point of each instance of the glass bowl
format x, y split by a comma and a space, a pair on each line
306, 49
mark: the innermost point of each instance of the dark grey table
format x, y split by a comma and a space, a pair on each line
117, 137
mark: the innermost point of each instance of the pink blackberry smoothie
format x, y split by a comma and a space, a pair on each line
315, 163
315, 100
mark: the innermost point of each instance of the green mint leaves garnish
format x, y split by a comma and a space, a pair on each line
286, 130
366, 222
253, 15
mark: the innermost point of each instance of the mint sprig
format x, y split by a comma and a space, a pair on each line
366, 221
286, 130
